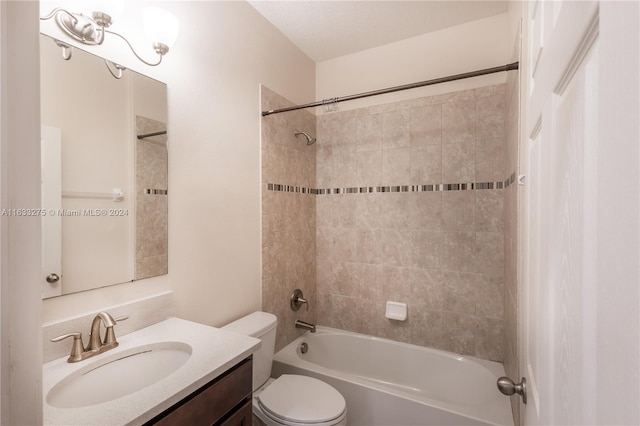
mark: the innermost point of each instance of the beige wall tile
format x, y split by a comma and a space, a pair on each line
489, 296
458, 333
424, 210
490, 160
369, 168
397, 106
459, 292
369, 132
490, 253
459, 210
459, 121
426, 249
426, 164
459, 251
369, 281
369, 246
489, 339
395, 210
428, 328
324, 277
412, 248
396, 166
395, 129
459, 162
427, 288
490, 117
490, 210
369, 209
395, 250
338, 130
426, 125
336, 167
395, 284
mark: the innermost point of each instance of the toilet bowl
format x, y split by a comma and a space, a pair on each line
291, 400
295, 400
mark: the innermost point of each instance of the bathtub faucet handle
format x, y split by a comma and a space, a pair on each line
297, 300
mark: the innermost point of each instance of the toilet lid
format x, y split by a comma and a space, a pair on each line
302, 399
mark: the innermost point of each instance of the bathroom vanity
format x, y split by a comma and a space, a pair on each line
170, 373
225, 401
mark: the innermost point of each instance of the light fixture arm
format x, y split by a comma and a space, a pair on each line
91, 30
159, 52
85, 29
66, 49
53, 13
119, 69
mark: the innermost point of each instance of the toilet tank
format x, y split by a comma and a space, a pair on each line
260, 325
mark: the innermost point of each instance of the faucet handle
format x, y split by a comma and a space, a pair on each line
297, 300
110, 336
76, 347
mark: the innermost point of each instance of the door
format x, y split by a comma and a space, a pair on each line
578, 295
51, 203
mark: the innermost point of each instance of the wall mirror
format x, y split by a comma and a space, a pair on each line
104, 173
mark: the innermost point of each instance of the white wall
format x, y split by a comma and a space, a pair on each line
222, 54
20, 324
463, 48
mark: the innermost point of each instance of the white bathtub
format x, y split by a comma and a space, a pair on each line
388, 383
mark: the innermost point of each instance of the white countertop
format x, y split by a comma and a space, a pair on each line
214, 351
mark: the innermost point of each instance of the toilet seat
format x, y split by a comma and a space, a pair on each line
295, 400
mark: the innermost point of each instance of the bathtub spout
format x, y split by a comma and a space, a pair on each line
305, 325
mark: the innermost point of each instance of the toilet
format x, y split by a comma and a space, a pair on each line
291, 399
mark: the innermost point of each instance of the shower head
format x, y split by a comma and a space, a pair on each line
310, 140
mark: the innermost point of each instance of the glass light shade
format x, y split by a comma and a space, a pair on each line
112, 8
160, 26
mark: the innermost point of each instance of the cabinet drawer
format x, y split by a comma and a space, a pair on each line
242, 417
212, 401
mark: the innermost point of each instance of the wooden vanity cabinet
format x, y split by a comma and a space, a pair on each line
225, 401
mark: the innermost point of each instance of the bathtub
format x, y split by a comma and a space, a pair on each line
387, 383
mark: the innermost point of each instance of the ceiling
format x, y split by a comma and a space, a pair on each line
329, 29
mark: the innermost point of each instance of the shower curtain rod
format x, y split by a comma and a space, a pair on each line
148, 135
508, 67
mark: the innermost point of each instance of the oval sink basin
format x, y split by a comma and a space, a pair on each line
114, 377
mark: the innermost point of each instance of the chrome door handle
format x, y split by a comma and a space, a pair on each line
53, 278
508, 387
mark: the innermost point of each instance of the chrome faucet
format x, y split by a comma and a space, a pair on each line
96, 344
305, 325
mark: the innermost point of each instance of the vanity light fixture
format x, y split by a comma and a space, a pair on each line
160, 26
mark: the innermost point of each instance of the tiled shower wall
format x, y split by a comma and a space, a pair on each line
151, 200
288, 217
410, 209
512, 102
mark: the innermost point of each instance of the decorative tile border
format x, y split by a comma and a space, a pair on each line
150, 191
438, 187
